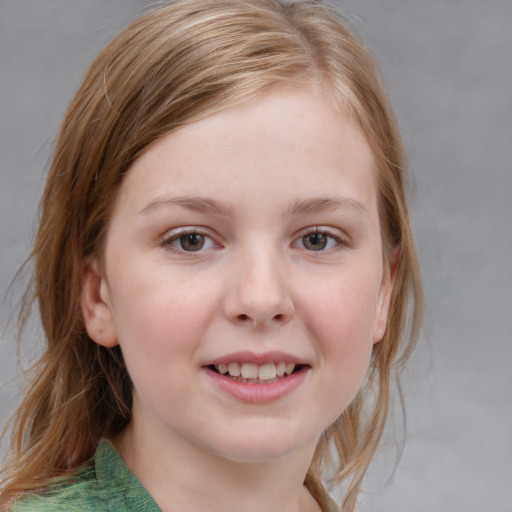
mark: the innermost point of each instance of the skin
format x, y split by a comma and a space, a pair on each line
256, 285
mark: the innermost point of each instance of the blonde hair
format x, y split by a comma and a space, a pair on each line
178, 63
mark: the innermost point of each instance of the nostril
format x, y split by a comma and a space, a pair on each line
244, 317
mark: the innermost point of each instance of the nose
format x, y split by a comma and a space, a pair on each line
259, 294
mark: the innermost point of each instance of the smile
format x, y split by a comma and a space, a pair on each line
252, 373
257, 383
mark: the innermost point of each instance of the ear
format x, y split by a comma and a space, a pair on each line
96, 306
384, 298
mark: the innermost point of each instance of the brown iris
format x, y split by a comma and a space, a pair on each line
315, 241
192, 242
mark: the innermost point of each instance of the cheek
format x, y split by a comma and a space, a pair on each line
341, 319
159, 321
343, 309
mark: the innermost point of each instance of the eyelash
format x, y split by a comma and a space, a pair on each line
169, 241
339, 242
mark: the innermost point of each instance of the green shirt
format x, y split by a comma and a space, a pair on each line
107, 485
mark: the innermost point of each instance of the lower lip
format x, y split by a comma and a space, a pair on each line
258, 393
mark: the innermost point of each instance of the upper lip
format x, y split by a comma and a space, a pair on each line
257, 358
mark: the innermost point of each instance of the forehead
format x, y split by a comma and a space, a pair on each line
287, 143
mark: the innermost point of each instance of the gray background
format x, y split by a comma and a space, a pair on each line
448, 64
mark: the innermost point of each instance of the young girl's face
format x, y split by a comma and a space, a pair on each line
246, 242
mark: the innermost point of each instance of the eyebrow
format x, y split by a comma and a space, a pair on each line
326, 204
193, 204
299, 206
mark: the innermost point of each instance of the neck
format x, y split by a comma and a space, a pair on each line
181, 477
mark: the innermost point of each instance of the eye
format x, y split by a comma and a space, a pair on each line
319, 240
189, 241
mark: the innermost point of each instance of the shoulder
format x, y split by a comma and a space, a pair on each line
104, 485
80, 494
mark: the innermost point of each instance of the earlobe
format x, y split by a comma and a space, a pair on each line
96, 307
384, 299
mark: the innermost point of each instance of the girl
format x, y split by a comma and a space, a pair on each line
224, 268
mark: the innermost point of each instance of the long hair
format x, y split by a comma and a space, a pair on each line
176, 64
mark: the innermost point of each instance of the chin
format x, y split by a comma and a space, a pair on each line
264, 446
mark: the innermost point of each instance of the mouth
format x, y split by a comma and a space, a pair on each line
251, 373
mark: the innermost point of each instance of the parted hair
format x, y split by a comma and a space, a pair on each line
178, 63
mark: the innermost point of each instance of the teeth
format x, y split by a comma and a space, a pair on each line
234, 369
280, 369
268, 371
249, 371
